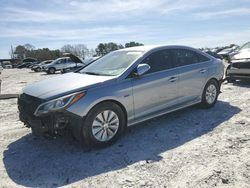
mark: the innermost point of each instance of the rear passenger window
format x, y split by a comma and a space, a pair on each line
64, 60
202, 58
159, 61
185, 57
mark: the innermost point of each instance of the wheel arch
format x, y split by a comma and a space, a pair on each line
116, 102
215, 79
50, 68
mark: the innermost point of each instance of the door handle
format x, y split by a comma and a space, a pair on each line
202, 71
173, 79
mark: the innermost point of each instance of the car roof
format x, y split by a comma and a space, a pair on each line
62, 58
152, 47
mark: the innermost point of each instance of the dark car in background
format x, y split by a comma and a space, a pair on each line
26, 63
239, 67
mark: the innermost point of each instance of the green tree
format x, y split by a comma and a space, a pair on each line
104, 48
101, 49
132, 44
44, 54
20, 52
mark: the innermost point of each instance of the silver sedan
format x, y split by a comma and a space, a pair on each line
121, 89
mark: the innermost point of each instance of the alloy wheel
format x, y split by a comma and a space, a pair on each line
105, 125
211, 93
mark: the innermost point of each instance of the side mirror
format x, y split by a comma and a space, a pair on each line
142, 69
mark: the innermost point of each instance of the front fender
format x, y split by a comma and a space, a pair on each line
120, 92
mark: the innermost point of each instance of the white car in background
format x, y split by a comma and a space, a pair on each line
68, 61
239, 67
7, 65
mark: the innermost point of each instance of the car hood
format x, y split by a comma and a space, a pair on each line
64, 84
243, 54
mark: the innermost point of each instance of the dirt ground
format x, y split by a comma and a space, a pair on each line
188, 148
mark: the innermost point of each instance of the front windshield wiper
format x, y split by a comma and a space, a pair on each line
95, 73
91, 73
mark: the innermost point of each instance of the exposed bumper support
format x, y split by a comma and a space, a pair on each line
54, 124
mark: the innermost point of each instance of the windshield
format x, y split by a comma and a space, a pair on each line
112, 64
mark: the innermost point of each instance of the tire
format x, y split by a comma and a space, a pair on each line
94, 133
210, 94
51, 70
38, 69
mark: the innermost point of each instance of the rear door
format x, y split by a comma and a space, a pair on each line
156, 90
69, 63
60, 64
192, 68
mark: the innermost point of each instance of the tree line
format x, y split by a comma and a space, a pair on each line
21, 52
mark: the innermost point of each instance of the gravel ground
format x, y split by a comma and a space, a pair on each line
189, 148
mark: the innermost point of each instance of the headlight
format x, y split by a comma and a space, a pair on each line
58, 104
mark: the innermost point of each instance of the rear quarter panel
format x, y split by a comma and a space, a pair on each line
216, 70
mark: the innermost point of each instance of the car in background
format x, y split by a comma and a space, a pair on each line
38, 67
27, 62
217, 56
33, 64
1, 69
79, 66
24, 65
122, 88
239, 67
68, 61
227, 53
7, 65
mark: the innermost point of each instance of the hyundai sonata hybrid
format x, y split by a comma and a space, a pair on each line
122, 88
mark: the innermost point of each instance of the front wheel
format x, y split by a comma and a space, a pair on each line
210, 94
38, 69
103, 125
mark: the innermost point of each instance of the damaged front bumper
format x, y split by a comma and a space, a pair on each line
52, 124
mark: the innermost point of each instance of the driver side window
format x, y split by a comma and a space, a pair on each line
159, 61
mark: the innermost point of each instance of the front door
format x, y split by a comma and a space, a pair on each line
156, 90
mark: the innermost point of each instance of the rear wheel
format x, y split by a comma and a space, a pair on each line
210, 94
103, 125
51, 70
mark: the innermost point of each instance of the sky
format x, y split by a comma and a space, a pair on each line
54, 23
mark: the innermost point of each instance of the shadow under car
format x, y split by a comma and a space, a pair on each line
39, 162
